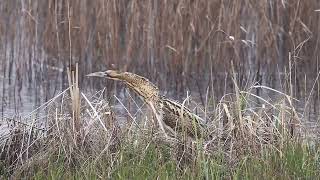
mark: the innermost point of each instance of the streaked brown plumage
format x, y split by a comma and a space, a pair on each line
175, 116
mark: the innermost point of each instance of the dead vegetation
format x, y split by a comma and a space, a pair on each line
79, 128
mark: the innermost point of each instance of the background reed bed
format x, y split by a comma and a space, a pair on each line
185, 42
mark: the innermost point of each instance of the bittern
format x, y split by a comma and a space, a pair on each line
170, 115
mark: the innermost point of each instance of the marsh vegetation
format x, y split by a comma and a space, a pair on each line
249, 68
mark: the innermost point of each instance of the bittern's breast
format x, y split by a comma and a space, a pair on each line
181, 119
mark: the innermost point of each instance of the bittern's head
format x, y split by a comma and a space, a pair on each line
137, 83
111, 74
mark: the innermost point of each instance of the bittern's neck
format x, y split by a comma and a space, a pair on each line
140, 85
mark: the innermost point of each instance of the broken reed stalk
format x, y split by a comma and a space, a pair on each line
75, 100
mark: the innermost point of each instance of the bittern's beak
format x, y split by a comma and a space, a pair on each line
112, 74
98, 74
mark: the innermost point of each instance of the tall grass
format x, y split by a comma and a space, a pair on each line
81, 138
